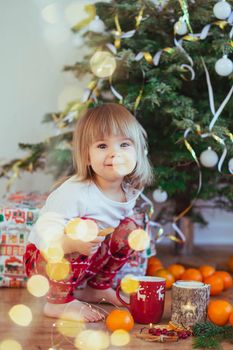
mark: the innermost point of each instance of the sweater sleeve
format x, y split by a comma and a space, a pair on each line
68, 200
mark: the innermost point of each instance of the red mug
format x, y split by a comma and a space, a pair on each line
147, 303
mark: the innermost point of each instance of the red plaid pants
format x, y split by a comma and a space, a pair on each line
98, 270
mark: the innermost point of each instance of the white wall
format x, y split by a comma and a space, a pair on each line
219, 230
32, 83
33, 52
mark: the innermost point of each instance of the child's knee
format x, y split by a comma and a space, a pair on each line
128, 224
119, 239
123, 230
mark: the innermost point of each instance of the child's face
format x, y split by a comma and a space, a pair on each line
112, 158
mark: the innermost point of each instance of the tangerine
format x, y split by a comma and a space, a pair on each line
230, 263
226, 277
206, 270
192, 275
164, 273
154, 264
219, 311
119, 319
151, 269
231, 318
176, 270
216, 284
153, 260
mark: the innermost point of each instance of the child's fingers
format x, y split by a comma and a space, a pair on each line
106, 231
98, 240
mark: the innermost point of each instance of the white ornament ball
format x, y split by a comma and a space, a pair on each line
224, 66
209, 158
97, 25
230, 165
180, 27
159, 195
107, 95
222, 9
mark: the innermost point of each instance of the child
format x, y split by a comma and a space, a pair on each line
111, 169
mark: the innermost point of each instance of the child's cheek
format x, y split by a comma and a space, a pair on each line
124, 164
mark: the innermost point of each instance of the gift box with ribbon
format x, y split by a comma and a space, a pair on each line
18, 212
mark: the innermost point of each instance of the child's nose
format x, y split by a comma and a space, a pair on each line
113, 154
114, 150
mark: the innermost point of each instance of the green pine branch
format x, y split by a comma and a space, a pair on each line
209, 336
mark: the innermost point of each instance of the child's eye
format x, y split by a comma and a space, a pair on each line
125, 144
102, 145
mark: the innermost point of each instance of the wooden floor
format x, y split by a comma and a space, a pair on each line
42, 335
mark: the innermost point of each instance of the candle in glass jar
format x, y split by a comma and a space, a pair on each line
189, 302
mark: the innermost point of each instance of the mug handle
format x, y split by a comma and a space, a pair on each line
119, 297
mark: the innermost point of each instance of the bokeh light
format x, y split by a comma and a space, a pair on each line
129, 285
85, 230
138, 240
51, 14
58, 271
123, 163
92, 340
50, 226
53, 253
10, 344
120, 337
38, 285
21, 315
75, 227
69, 327
103, 64
75, 12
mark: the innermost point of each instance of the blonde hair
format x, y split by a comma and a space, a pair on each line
104, 120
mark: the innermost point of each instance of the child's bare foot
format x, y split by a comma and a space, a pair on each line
93, 295
74, 310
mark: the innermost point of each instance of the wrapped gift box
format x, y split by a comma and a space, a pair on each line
17, 214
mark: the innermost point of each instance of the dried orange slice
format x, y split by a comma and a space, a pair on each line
161, 326
176, 327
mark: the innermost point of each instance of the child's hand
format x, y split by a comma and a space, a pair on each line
89, 248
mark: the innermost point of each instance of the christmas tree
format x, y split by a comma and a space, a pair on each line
158, 58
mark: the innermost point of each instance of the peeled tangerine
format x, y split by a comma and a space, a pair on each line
119, 319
